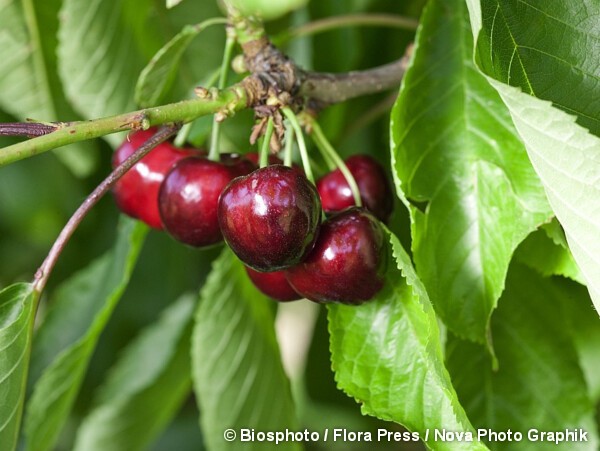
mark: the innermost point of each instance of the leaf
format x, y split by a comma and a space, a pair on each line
542, 253
17, 312
267, 9
548, 49
29, 87
539, 384
146, 386
173, 3
387, 355
158, 76
566, 159
237, 372
66, 339
100, 54
459, 162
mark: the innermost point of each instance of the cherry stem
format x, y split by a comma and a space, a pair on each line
348, 20
289, 146
44, 271
264, 150
214, 153
301, 143
184, 133
329, 153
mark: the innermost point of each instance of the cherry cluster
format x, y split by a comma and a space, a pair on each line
270, 217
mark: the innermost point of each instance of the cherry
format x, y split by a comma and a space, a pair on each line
373, 185
188, 199
348, 261
136, 193
240, 164
273, 284
270, 217
254, 157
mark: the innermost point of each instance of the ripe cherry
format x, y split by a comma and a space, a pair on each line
240, 164
270, 217
348, 261
273, 284
136, 193
373, 185
188, 199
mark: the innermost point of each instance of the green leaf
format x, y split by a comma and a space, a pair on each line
387, 355
539, 384
238, 376
459, 161
549, 255
173, 3
66, 339
565, 157
158, 76
548, 49
146, 386
29, 87
17, 311
267, 9
100, 54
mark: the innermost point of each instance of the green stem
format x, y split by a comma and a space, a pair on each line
329, 152
332, 23
214, 138
289, 146
231, 99
43, 273
301, 143
264, 150
184, 133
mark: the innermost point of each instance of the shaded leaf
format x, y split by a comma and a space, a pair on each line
460, 163
539, 384
549, 254
548, 49
158, 76
100, 55
29, 87
146, 386
267, 9
387, 355
66, 339
17, 311
566, 159
238, 376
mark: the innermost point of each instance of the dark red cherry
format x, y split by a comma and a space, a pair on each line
348, 261
273, 284
270, 217
136, 193
375, 190
188, 200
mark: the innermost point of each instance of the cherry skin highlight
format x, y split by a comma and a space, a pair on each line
273, 284
373, 185
347, 264
136, 193
188, 200
270, 217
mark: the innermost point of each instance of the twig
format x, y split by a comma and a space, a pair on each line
229, 100
29, 129
44, 271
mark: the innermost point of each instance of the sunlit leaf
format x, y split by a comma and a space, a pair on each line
387, 355
459, 161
